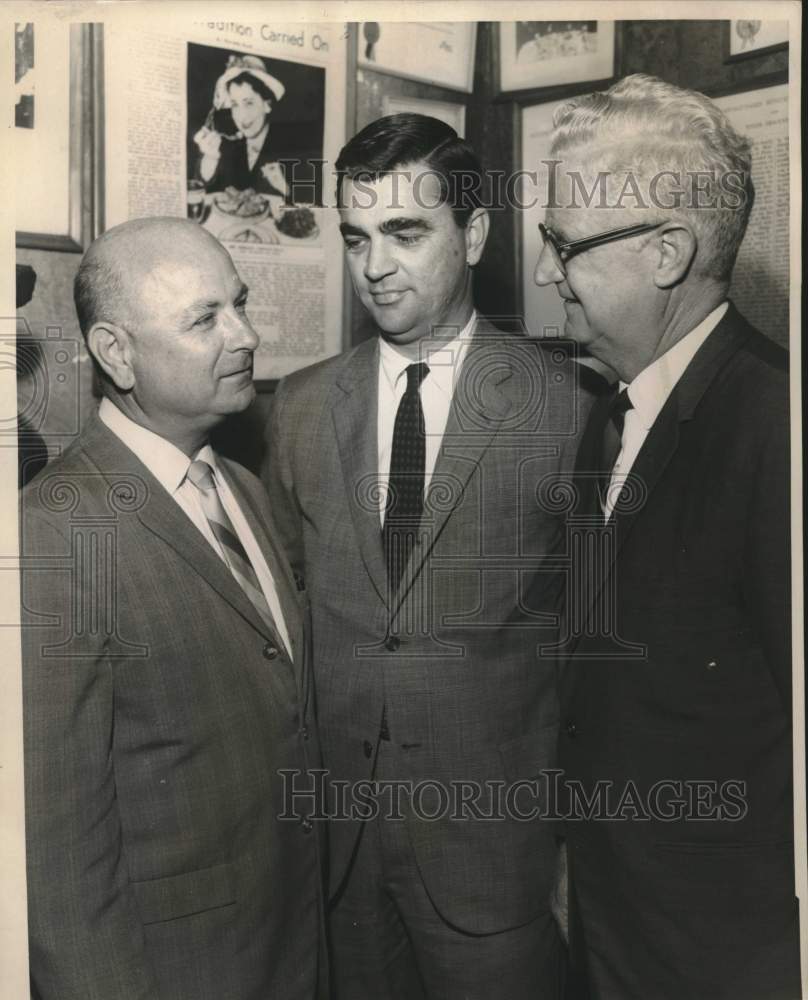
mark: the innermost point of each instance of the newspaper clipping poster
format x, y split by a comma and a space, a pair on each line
236, 125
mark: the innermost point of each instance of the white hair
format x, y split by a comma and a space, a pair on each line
662, 136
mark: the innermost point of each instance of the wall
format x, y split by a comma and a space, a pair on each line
688, 53
50, 317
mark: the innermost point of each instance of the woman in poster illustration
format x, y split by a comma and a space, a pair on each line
234, 143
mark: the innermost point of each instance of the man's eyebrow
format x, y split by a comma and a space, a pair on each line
348, 230
389, 226
200, 306
397, 225
195, 309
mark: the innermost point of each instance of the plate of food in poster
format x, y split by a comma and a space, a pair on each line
246, 204
296, 224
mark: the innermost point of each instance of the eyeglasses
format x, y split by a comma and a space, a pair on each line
562, 252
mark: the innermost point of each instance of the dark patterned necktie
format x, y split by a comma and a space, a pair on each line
405, 494
612, 440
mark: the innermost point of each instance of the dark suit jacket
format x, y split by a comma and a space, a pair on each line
689, 680
453, 653
158, 710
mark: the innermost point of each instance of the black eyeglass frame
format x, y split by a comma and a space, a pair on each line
564, 251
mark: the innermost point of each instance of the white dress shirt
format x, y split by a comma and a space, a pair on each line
169, 466
437, 389
648, 393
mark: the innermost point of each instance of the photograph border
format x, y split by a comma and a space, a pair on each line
469, 57
539, 93
733, 57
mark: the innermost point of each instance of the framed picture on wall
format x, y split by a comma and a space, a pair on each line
450, 112
437, 52
754, 38
532, 55
56, 144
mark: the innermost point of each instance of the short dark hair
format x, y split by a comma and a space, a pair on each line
393, 142
256, 83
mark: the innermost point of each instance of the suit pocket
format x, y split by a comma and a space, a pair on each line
176, 896
525, 757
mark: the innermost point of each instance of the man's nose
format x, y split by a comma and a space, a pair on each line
241, 336
547, 270
379, 261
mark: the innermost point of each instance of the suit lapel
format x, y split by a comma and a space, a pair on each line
161, 515
663, 438
355, 424
588, 457
260, 523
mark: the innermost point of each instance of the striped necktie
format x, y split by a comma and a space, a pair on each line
201, 475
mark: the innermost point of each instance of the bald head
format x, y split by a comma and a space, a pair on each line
164, 314
111, 273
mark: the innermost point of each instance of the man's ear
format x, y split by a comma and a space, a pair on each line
476, 235
678, 245
110, 345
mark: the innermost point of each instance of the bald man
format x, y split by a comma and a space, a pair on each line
165, 662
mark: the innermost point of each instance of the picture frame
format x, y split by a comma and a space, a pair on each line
453, 113
66, 217
535, 56
404, 48
749, 38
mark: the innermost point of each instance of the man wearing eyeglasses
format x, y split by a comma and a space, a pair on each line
676, 741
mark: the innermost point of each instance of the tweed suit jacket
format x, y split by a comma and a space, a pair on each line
453, 653
159, 708
686, 689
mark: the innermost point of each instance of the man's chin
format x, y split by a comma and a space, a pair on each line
402, 337
239, 401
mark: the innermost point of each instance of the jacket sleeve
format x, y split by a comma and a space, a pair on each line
277, 475
86, 937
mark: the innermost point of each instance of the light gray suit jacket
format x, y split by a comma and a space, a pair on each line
453, 653
158, 709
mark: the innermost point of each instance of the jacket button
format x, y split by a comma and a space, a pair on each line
571, 729
392, 642
367, 748
306, 824
304, 732
270, 652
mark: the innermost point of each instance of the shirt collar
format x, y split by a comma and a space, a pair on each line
444, 360
650, 389
164, 460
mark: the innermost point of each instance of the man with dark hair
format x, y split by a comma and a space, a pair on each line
166, 673
677, 694
404, 478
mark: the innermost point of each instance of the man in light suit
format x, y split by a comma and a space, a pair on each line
405, 474
165, 662
676, 742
